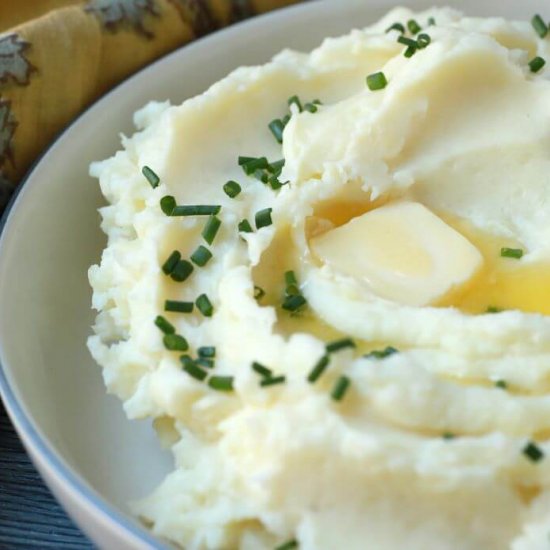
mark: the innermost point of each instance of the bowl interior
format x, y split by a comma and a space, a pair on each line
52, 236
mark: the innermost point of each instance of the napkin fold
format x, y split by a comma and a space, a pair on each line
58, 56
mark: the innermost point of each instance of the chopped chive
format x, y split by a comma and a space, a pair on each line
338, 345
290, 278
207, 351
423, 40
290, 545
340, 388
294, 303
205, 362
431, 21
182, 271
164, 325
277, 127
261, 175
167, 204
150, 176
221, 383
205, 305
196, 210
211, 229
186, 360
448, 435
311, 108
175, 342
409, 52
171, 263
377, 81
259, 292
408, 42
540, 26
381, 354
319, 369
251, 164
232, 189
276, 167
537, 64
502, 384
493, 309
245, 227
193, 370
261, 370
413, 26
272, 381
515, 253
201, 256
263, 218
178, 307
533, 452
396, 27
275, 183
296, 101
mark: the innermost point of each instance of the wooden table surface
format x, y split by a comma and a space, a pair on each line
30, 518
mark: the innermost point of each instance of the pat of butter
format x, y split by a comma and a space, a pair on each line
404, 252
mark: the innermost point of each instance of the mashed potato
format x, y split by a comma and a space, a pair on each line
350, 350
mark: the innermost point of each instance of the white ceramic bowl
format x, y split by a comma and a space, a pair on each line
93, 459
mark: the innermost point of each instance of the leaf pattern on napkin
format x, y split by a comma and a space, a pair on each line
114, 13
13, 63
8, 124
197, 14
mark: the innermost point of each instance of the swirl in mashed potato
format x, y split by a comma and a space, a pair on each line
412, 221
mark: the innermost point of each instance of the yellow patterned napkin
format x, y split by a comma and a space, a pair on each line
57, 56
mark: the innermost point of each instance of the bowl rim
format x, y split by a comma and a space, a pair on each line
22, 420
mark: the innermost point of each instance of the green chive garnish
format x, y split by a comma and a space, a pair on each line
263, 218
502, 384
193, 370
245, 227
196, 210
533, 452
537, 64
272, 381
261, 175
221, 383
409, 52
296, 101
164, 325
211, 229
251, 164
186, 360
377, 81
171, 263
408, 42
201, 256
178, 307
540, 26
493, 309
413, 26
431, 21
515, 253
381, 354
167, 204
338, 345
277, 127
275, 183
423, 40
290, 545
448, 435
182, 271
205, 305
276, 167
175, 342
319, 369
340, 388
294, 303
259, 292
205, 362
290, 278
311, 107
150, 176
207, 351
261, 370
396, 27
232, 189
